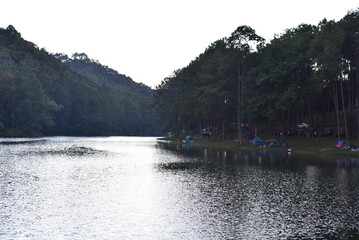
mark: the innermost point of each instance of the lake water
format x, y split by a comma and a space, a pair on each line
139, 188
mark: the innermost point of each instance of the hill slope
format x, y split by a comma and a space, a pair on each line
39, 95
103, 75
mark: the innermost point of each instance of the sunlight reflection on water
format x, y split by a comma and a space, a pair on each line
136, 188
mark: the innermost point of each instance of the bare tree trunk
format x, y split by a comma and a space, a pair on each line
282, 127
344, 112
357, 102
223, 126
239, 120
310, 109
336, 105
350, 96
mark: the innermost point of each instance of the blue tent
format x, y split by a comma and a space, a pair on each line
257, 141
273, 143
340, 144
189, 139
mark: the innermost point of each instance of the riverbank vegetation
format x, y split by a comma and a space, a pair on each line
45, 94
298, 144
241, 83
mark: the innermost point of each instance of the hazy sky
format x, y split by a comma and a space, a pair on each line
149, 39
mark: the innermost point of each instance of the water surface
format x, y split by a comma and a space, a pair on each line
138, 188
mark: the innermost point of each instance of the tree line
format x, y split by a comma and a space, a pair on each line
41, 95
308, 73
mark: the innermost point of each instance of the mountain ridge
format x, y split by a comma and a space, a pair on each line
101, 74
40, 95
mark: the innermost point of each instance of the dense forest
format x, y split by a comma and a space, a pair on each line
308, 73
45, 94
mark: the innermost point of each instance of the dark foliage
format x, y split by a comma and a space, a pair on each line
308, 73
40, 95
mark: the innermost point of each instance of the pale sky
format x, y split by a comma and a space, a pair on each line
149, 39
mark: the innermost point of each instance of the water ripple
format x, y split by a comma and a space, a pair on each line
110, 188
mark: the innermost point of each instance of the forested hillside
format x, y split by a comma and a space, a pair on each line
308, 73
40, 95
103, 75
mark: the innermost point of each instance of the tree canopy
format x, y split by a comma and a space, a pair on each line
44, 94
308, 73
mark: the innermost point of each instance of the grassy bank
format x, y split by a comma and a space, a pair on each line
318, 145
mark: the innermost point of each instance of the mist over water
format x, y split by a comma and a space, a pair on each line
138, 188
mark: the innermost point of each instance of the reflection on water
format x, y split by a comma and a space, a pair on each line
275, 194
233, 158
136, 188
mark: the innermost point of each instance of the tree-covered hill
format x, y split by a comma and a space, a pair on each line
103, 75
308, 73
40, 95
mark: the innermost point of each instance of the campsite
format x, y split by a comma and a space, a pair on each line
302, 143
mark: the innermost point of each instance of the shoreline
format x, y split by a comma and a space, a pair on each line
317, 146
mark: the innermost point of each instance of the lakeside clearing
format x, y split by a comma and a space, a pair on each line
315, 145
